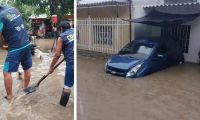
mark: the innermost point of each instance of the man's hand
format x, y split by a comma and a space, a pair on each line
5, 47
57, 54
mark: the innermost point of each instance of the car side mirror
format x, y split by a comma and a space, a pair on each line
158, 57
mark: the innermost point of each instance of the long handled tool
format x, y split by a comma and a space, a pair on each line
53, 45
34, 87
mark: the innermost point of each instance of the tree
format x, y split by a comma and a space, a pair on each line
48, 7
59, 7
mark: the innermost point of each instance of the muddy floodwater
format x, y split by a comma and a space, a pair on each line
171, 94
42, 104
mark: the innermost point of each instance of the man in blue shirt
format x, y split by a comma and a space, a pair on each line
14, 32
65, 43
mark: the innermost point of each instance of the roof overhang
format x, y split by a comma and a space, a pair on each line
171, 5
102, 4
157, 18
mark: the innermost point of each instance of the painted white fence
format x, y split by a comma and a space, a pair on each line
106, 35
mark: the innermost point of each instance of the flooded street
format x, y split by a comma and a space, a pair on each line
42, 104
171, 94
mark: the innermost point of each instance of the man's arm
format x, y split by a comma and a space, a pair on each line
57, 54
1, 40
3, 43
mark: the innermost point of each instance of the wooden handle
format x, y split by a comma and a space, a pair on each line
38, 83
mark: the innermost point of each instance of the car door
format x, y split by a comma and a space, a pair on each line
160, 58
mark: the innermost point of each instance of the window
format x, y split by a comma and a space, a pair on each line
103, 35
137, 50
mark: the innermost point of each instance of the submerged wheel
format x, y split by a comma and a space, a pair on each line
182, 61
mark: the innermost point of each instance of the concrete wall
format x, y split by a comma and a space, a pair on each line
194, 44
103, 12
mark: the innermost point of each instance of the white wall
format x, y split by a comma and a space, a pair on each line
102, 12
194, 44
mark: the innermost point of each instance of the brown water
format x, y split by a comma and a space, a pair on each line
171, 94
42, 104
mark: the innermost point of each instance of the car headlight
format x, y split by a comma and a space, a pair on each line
107, 64
134, 70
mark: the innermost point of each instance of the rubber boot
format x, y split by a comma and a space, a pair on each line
64, 98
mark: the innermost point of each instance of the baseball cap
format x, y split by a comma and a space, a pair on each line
63, 23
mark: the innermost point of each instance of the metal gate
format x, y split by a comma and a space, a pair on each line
106, 35
180, 33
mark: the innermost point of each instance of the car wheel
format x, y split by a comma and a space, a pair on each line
182, 61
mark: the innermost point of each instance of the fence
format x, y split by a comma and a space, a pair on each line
106, 35
180, 33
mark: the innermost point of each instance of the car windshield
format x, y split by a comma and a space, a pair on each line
137, 50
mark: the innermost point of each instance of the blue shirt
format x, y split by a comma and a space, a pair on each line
68, 45
12, 28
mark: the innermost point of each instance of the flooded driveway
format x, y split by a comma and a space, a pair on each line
42, 104
171, 94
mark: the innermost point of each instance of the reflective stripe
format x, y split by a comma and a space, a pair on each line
1, 26
66, 87
20, 48
6, 67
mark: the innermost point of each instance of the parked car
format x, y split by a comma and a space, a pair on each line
144, 56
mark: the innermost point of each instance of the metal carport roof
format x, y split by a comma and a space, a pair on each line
157, 18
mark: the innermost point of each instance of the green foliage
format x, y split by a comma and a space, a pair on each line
59, 7
36, 7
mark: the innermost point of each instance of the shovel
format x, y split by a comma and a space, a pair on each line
34, 87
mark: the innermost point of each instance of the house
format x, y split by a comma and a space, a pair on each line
105, 9
188, 33
109, 38
100, 26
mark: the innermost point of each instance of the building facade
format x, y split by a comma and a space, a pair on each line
188, 31
97, 23
101, 28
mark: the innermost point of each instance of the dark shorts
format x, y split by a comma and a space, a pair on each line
14, 58
69, 76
